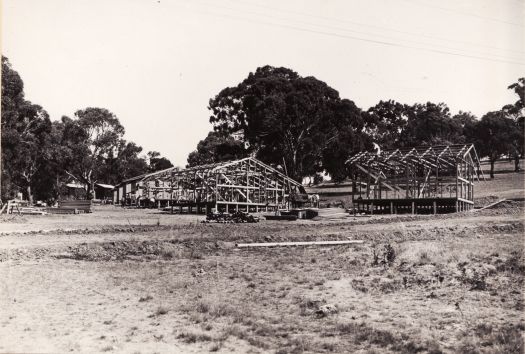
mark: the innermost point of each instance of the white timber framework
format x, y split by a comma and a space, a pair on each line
424, 179
247, 185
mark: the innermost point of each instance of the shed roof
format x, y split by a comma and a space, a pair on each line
429, 156
105, 186
214, 167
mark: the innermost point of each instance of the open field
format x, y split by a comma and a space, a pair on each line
126, 281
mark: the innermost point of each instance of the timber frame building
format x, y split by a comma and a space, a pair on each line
424, 179
247, 185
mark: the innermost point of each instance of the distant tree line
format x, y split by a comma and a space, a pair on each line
40, 156
302, 124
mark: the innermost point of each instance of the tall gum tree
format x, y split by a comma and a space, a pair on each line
91, 138
495, 136
25, 127
516, 112
285, 117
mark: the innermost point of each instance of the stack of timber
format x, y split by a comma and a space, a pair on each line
32, 211
14, 206
233, 218
71, 207
282, 217
327, 213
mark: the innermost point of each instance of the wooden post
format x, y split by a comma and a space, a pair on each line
406, 185
368, 182
413, 208
391, 208
434, 207
472, 190
437, 178
247, 180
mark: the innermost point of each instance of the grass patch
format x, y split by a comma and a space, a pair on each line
161, 310
190, 337
146, 298
486, 338
363, 334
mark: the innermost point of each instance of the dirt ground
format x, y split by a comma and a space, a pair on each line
136, 281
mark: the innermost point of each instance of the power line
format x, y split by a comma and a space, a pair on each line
338, 35
379, 27
357, 32
466, 13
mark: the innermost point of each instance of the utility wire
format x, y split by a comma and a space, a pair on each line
338, 35
466, 13
378, 27
324, 27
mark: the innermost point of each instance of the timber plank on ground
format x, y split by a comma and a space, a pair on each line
79, 205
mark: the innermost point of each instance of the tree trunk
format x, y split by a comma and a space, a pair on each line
88, 191
57, 187
29, 195
492, 168
517, 163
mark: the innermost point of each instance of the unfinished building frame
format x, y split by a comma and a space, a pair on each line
246, 185
427, 180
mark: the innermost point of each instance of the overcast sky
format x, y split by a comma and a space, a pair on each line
155, 64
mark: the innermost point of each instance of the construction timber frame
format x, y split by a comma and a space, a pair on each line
419, 180
247, 185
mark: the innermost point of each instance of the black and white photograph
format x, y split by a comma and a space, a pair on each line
248, 176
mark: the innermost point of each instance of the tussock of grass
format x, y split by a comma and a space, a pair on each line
190, 337
362, 333
506, 339
161, 310
146, 298
217, 308
216, 347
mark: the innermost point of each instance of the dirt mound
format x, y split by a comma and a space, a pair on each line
509, 204
139, 250
13, 218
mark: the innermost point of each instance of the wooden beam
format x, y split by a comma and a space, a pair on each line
298, 243
374, 176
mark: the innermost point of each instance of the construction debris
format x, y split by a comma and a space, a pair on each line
326, 310
281, 217
328, 213
64, 211
79, 205
32, 211
298, 243
309, 213
490, 205
233, 218
17, 206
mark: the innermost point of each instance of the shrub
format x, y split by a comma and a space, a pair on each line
161, 310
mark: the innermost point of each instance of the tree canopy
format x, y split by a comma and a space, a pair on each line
157, 162
303, 124
288, 119
217, 147
385, 122
495, 136
25, 134
39, 155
